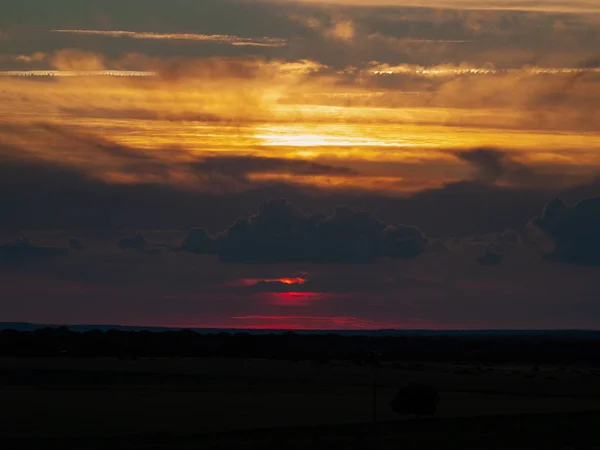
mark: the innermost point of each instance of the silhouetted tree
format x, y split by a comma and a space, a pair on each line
417, 399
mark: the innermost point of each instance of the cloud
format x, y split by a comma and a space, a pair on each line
573, 229
450, 70
490, 258
333, 27
246, 171
281, 233
199, 241
399, 33
45, 73
89, 86
548, 6
525, 98
137, 243
23, 249
121, 164
134, 86
35, 57
77, 60
207, 38
510, 236
76, 244
493, 166
402, 242
244, 165
82, 191
88, 154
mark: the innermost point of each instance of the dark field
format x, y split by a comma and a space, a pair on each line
184, 403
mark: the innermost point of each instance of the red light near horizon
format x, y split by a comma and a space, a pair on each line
293, 298
289, 281
311, 322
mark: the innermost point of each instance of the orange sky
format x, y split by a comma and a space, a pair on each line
392, 97
463, 118
293, 111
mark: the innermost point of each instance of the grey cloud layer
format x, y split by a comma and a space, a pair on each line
572, 6
393, 34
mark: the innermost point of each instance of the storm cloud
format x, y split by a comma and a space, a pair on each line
281, 233
575, 230
24, 249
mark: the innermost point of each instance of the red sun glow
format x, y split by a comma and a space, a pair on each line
294, 298
290, 281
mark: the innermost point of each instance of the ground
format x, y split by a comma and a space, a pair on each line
236, 403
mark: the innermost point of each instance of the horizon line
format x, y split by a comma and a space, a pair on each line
304, 330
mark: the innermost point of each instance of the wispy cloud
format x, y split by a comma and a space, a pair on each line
75, 73
26, 59
566, 6
450, 70
212, 38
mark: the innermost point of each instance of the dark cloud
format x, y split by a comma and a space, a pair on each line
400, 242
510, 236
484, 208
74, 201
233, 173
492, 166
491, 258
497, 167
280, 232
496, 246
240, 166
137, 243
76, 244
199, 241
23, 249
575, 230
439, 246
95, 143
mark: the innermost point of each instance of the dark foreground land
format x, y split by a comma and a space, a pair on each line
495, 394
531, 431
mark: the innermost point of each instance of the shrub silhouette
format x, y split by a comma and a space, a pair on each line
417, 399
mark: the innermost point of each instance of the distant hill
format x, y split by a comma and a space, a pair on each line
568, 334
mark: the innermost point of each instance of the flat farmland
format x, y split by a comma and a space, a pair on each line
108, 398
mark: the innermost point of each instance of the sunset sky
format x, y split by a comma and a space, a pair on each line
331, 164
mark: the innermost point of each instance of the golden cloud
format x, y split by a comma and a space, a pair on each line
337, 27
395, 125
208, 38
77, 60
32, 58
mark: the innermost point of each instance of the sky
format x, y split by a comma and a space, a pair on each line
341, 164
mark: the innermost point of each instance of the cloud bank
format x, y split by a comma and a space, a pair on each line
281, 233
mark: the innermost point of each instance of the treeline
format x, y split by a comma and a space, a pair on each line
62, 342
